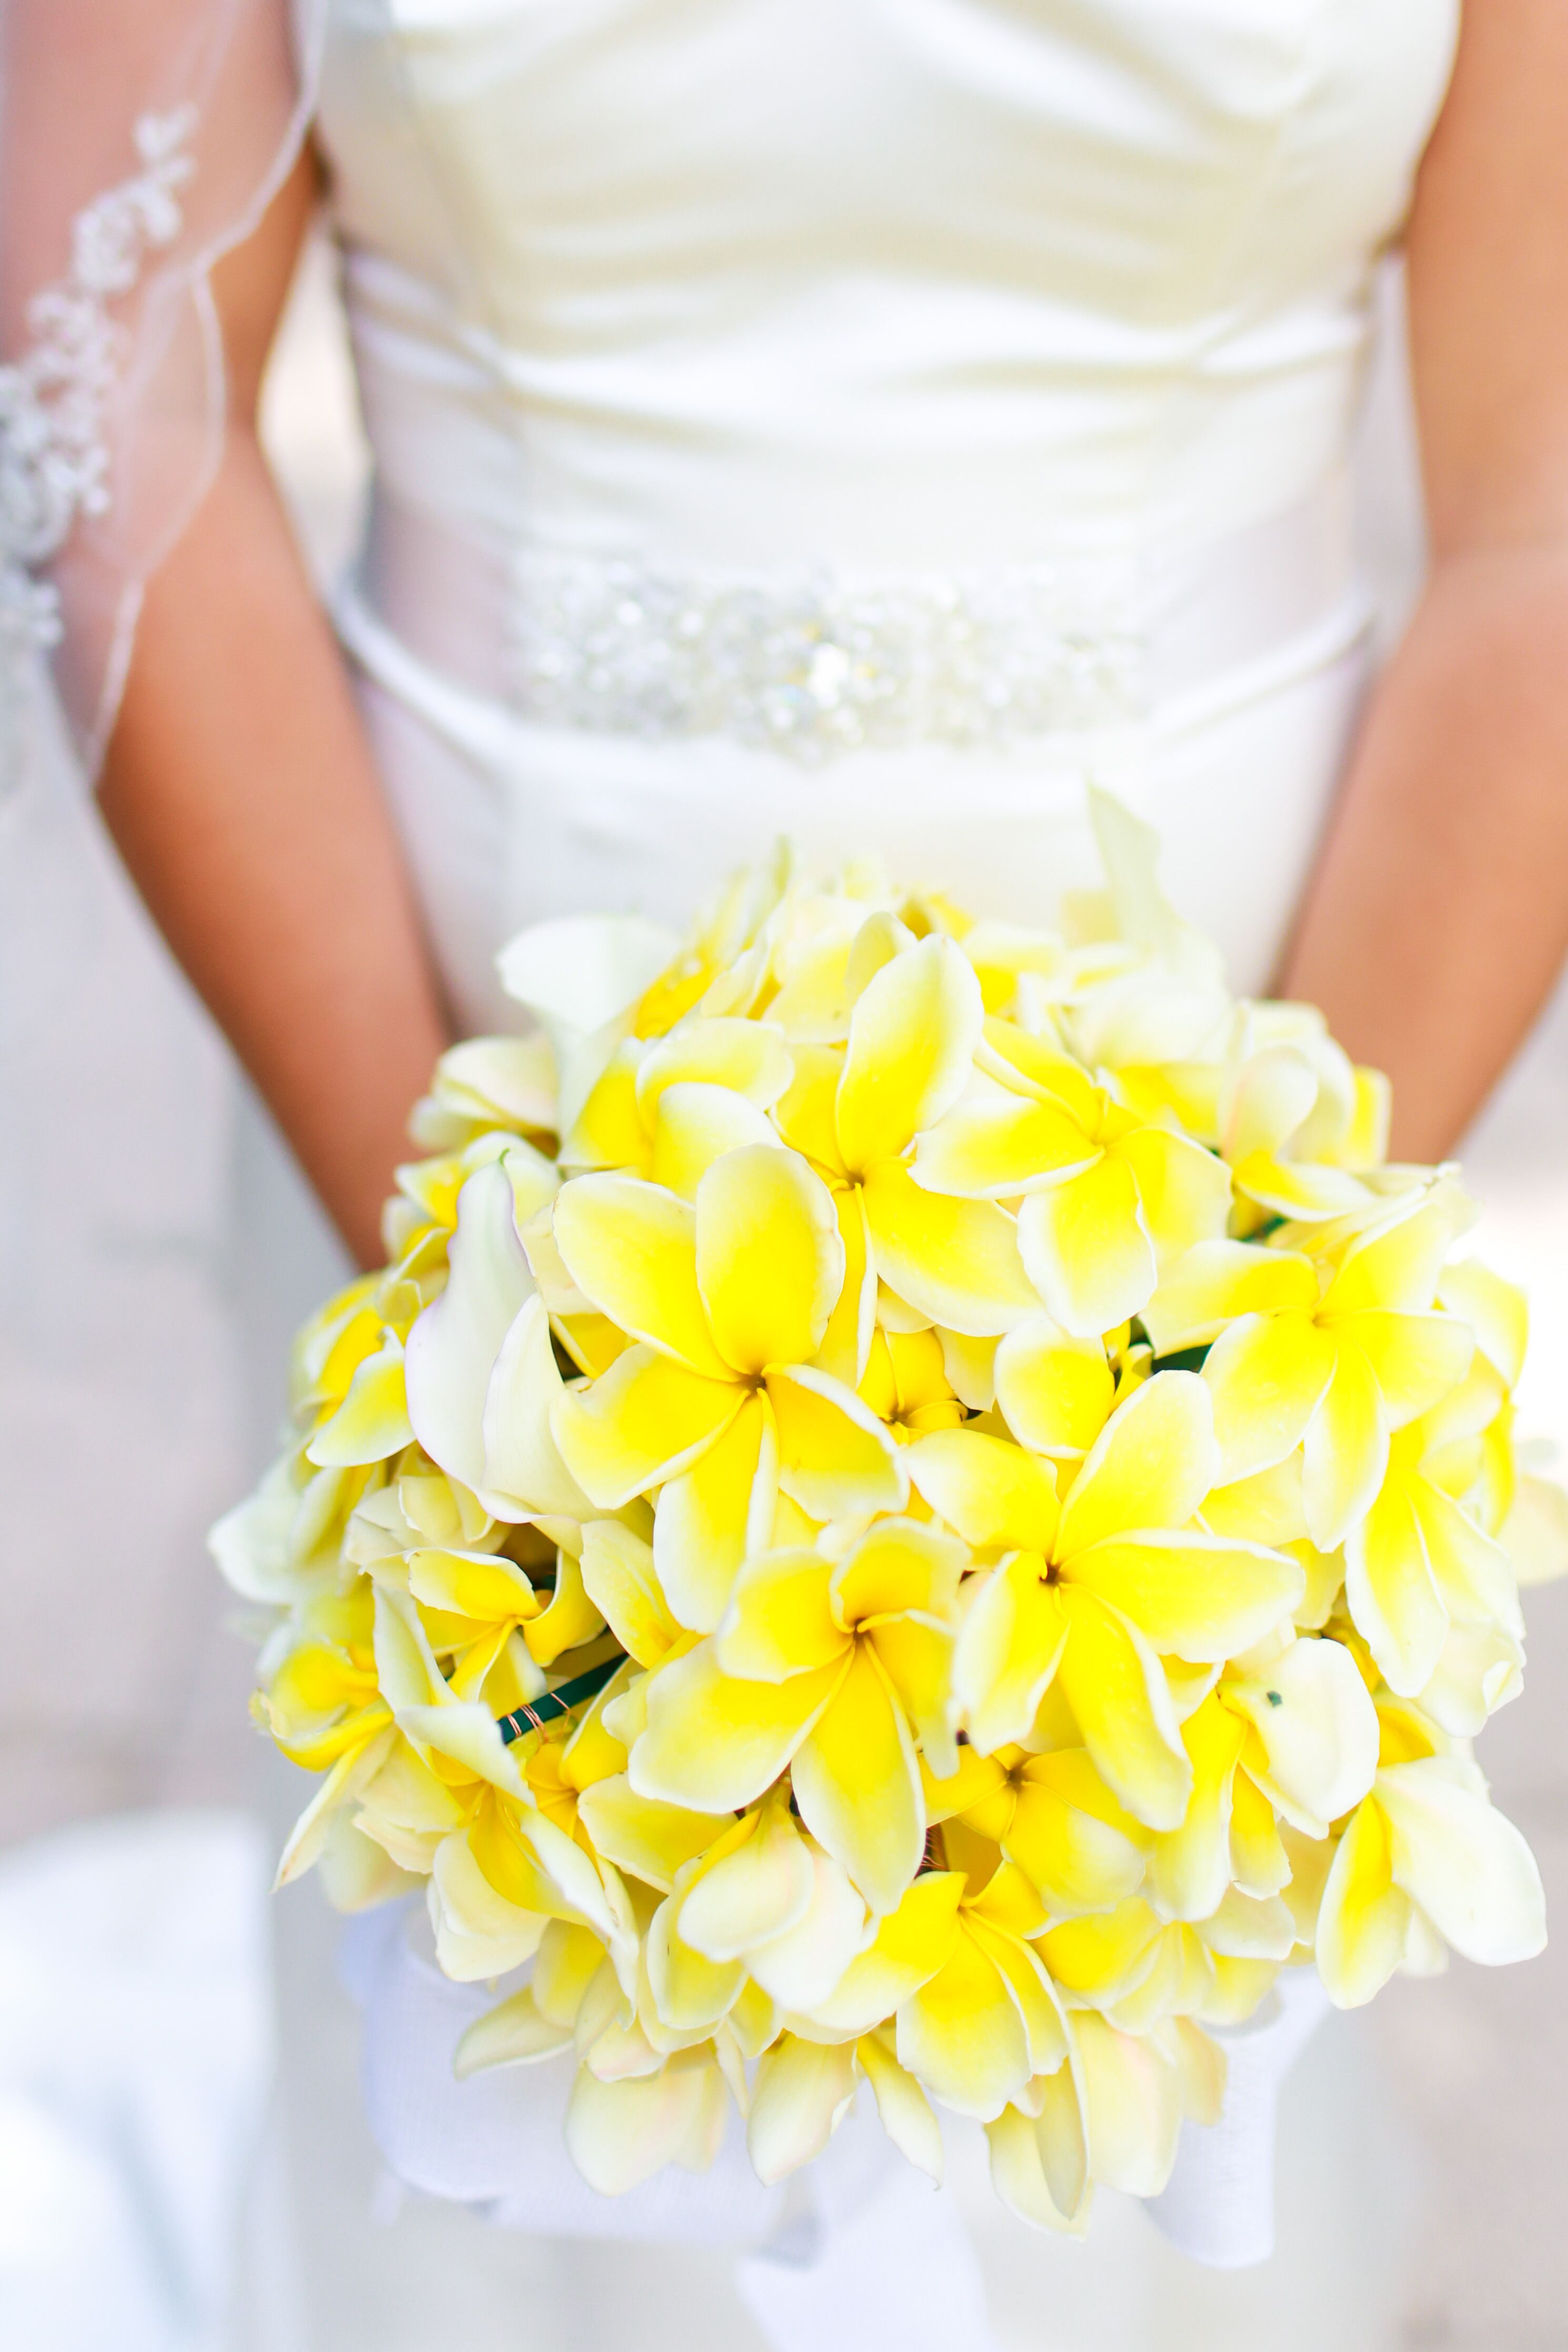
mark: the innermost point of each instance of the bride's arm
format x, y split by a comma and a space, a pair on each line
239, 789
1438, 915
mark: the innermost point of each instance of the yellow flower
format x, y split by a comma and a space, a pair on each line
1107, 1198
1111, 2115
1337, 1373
833, 1671
1140, 1970
1302, 1129
667, 1109
485, 1087
1094, 1591
855, 1115
1295, 1734
906, 1384
1426, 1861
717, 1403
1419, 1572
1052, 1815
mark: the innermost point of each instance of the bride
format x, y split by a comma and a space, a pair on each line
865, 422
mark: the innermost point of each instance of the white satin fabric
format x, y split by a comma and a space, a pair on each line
745, 289
895, 284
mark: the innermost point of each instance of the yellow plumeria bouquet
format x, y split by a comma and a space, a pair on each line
917, 1500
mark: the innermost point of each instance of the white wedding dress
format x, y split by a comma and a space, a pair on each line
867, 421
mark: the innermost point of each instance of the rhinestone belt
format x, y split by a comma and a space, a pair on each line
814, 664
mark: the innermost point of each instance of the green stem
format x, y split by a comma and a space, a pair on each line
560, 1701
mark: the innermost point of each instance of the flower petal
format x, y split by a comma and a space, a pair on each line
1218, 1281
698, 1124
1346, 1451
1150, 1466
372, 1421
898, 1565
1397, 1262
902, 2106
715, 1743
993, 1495
585, 969
779, 1621
956, 1261
917, 1655
621, 2133
1114, 1684
471, 1584
770, 1262
910, 1944
1197, 1597
453, 1347
690, 1992
858, 1786
1394, 1603
805, 1966
746, 1058
608, 1131
961, 2034
911, 1042
641, 1422
1265, 1375
711, 1516
993, 1145
1072, 1851
620, 1577
1008, 1648
803, 2092
1494, 1309
1318, 1728
1362, 1918
1134, 2104
1055, 1391
630, 1249
514, 2033
478, 1932
1087, 1248
1184, 1191
1472, 1573
570, 1619
1479, 1669
1266, 1100
1463, 1862
1039, 2164
835, 1458
638, 1834
1189, 1868
1416, 1360
523, 1474
846, 1343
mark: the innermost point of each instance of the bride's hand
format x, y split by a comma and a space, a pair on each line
1439, 917
240, 791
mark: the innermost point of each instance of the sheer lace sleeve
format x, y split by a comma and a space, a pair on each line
138, 141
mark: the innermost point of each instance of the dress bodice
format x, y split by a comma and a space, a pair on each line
862, 419
876, 282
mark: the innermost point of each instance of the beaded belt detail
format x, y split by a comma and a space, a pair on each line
814, 664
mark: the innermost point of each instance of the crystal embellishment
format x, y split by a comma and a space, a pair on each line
820, 663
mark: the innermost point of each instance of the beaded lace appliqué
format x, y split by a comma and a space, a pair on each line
54, 463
